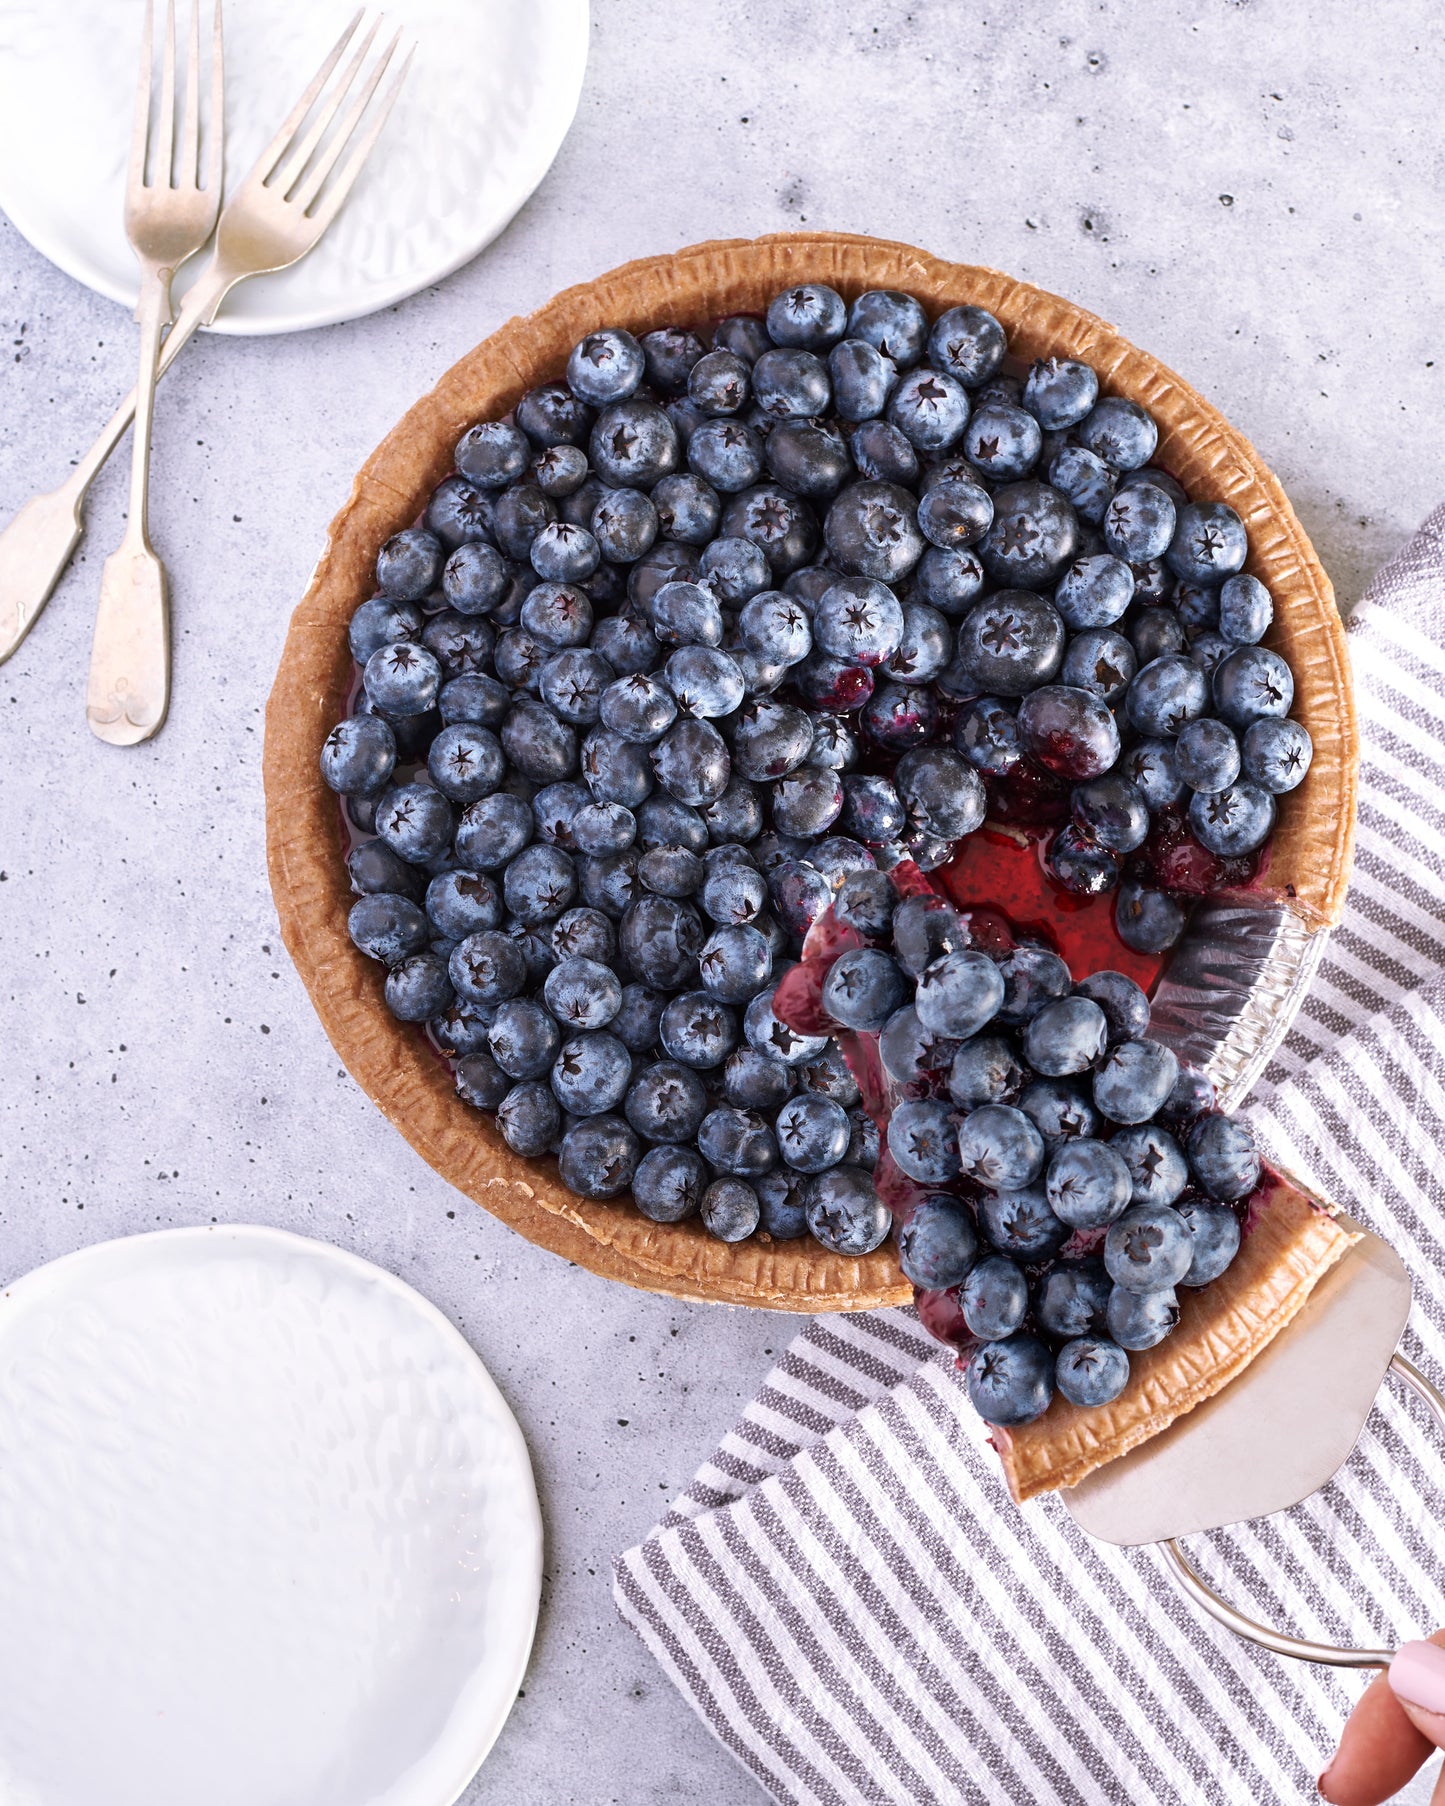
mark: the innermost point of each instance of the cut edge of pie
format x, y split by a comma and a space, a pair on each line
1293, 1241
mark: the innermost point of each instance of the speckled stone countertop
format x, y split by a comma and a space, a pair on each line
1249, 190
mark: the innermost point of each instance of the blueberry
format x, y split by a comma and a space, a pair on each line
994, 1297
1100, 661
1214, 1235
1088, 1184
538, 744
382, 622
1139, 1320
1012, 643
665, 562
1134, 1081
492, 832
606, 366
808, 801
1069, 731
552, 415
684, 614
912, 1054
1252, 684
1148, 1250
557, 615
582, 993
1223, 1157
669, 354
862, 990
562, 553
466, 762
930, 408
615, 770
539, 884
987, 735
1077, 861
1002, 441
524, 1039
1065, 1037
529, 1118
865, 1143
999, 1147
1149, 765
845, 1213
1091, 1370
610, 882
726, 454
799, 895
519, 659
828, 1072
1059, 1110
791, 383
687, 508
462, 903
775, 627
462, 645
984, 1071
1138, 524
639, 708
1085, 481
737, 1142
1209, 651
730, 1209
403, 679
555, 808
598, 1157
954, 515
1072, 1298
560, 470
1276, 754
409, 565
492, 454
968, 343
734, 894
698, 1030
1111, 812
866, 901
359, 756
780, 524
923, 1141
720, 383
1035, 536
1149, 921
736, 816
862, 379
1118, 431
1192, 1097
662, 821
387, 927
1156, 632
518, 516
1206, 755
1012, 1381
1209, 543
1234, 821
872, 531
637, 1022
634, 444
810, 314
1197, 605
590, 1074
925, 928
705, 683
668, 1184
415, 821
752, 1081
735, 964
1245, 610
734, 569
881, 453
1166, 695
892, 323
1059, 392
624, 526
476, 698
782, 1198
487, 968
691, 762
481, 1082
808, 457
374, 868
458, 513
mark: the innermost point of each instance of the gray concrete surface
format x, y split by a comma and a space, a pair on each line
1249, 190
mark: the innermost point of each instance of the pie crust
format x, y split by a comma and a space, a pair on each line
1308, 866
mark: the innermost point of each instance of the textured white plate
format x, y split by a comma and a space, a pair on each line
268, 1532
488, 102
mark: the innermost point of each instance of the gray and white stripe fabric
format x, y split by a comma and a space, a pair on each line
849, 1598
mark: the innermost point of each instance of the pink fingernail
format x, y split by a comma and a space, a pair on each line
1417, 1675
1320, 1784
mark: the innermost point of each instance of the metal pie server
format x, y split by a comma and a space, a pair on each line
1274, 1435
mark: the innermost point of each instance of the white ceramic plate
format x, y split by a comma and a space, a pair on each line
488, 102
268, 1532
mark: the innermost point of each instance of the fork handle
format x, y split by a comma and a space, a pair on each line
36, 545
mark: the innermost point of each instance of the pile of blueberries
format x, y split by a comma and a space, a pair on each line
702, 629
1067, 1173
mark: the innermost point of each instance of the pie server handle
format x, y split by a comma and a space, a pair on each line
1279, 1642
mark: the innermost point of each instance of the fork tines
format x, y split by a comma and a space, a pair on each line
176, 163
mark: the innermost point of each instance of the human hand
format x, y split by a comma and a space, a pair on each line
1398, 1724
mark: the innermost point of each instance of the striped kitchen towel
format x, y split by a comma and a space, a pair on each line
846, 1593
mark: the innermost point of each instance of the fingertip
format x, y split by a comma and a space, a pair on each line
1417, 1680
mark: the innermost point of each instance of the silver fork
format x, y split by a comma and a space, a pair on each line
280, 211
167, 220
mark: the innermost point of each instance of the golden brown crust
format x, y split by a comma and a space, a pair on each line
1310, 858
1293, 1244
